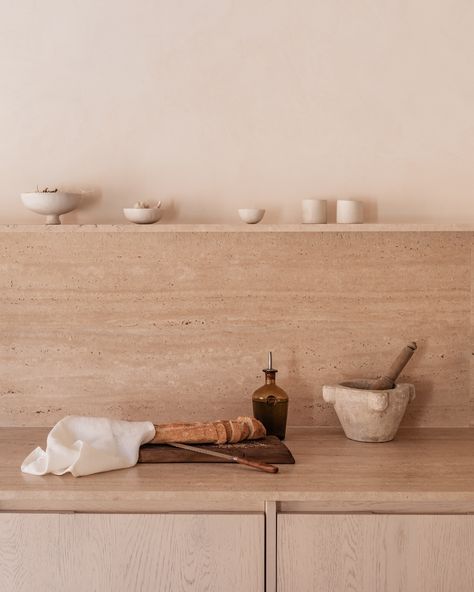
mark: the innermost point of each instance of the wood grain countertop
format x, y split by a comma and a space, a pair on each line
423, 470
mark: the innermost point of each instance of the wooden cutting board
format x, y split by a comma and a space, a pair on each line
269, 449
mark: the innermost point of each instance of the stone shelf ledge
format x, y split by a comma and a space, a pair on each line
311, 228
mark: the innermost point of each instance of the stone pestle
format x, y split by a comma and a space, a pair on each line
387, 381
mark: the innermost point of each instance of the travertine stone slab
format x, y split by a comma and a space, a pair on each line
165, 326
471, 350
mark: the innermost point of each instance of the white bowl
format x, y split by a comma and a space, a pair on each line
142, 215
52, 205
251, 216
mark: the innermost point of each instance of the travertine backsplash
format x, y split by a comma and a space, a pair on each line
166, 326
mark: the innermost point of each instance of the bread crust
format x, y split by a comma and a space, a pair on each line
217, 432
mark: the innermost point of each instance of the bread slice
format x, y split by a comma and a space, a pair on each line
236, 431
228, 429
256, 428
248, 422
259, 429
245, 432
221, 432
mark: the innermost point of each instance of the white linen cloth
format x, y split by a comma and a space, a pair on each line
87, 445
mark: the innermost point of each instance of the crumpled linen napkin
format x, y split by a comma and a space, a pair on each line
87, 445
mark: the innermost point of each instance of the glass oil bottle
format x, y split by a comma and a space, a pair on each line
270, 403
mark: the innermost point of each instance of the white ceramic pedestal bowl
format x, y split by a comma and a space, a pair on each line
251, 215
142, 215
51, 205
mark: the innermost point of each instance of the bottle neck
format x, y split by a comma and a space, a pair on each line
270, 377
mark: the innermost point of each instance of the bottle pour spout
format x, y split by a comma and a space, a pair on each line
270, 364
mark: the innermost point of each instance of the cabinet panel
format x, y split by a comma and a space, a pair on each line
374, 553
130, 552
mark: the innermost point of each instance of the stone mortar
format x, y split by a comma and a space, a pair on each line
367, 415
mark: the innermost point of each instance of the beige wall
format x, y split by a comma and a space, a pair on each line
214, 104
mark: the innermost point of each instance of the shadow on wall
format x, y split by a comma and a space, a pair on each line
90, 198
370, 209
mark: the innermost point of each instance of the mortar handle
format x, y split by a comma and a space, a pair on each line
377, 401
329, 394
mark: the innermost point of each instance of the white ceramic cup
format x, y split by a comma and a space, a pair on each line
314, 211
349, 211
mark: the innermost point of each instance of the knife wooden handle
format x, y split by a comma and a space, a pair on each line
256, 464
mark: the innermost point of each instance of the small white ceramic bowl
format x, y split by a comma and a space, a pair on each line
251, 216
142, 215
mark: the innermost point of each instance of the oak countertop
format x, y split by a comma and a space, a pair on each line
425, 470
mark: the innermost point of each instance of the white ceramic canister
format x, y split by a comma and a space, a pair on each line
349, 211
314, 211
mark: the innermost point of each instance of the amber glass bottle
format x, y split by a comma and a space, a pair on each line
270, 403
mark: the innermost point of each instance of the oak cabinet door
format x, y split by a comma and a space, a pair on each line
375, 553
131, 552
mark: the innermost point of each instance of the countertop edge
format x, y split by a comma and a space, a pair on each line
425, 470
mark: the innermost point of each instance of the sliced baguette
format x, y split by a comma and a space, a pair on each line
197, 433
217, 432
